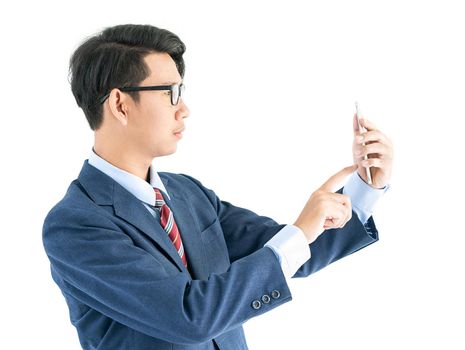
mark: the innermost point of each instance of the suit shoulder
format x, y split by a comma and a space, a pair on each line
181, 179
75, 202
189, 186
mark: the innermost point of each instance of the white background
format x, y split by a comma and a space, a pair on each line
271, 88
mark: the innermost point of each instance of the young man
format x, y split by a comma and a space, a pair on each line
151, 260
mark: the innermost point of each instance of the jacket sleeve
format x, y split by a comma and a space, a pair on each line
96, 263
335, 244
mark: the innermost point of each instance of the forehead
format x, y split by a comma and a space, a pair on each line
162, 69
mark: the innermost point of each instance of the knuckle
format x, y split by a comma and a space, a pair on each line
349, 208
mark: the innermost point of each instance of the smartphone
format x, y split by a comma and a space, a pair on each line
362, 131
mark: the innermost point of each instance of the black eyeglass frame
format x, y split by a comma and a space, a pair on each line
152, 88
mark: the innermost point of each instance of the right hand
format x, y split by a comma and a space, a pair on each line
326, 209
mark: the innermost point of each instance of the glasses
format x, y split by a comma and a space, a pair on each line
175, 89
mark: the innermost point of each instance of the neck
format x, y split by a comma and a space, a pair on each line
125, 160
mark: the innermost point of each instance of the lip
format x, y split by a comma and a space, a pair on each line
179, 133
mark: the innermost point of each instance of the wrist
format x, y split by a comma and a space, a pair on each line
306, 232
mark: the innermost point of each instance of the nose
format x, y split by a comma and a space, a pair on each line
183, 111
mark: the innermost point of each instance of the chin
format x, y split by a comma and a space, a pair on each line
164, 153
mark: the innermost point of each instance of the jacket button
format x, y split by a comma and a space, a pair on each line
256, 304
266, 299
275, 294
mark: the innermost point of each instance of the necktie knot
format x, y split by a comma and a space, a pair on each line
159, 201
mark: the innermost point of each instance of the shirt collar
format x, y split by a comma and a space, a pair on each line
139, 188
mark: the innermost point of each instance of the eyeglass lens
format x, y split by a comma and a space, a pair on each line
176, 92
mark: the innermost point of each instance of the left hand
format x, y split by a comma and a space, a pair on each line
379, 150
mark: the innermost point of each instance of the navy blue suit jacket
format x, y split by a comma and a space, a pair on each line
127, 288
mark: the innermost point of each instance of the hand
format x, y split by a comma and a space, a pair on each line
379, 150
325, 209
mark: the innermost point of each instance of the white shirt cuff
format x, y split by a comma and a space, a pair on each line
362, 196
291, 249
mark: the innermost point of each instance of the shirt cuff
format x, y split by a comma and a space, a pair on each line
291, 248
362, 196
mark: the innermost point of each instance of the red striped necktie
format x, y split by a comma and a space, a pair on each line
169, 225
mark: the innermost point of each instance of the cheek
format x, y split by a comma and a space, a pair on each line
153, 118
156, 123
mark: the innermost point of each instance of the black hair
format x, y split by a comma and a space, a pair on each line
115, 58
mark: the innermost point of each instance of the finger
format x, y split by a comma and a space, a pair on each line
339, 198
329, 224
357, 131
348, 215
339, 214
355, 124
372, 162
332, 184
373, 135
332, 223
368, 124
379, 148
340, 222
347, 210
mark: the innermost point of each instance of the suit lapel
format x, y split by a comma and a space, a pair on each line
105, 191
190, 233
132, 210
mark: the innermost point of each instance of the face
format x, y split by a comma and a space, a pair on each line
152, 122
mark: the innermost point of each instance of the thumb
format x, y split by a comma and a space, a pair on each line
333, 183
355, 124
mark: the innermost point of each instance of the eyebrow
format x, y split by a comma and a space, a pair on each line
171, 82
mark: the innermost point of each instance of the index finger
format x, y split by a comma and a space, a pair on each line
332, 184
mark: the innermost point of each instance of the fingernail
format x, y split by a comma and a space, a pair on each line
359, 138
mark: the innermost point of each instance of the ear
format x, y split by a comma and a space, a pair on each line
119, 105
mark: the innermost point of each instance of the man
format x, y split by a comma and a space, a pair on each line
149, 260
